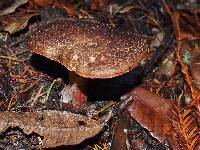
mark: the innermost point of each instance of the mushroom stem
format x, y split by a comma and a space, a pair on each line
80, 81
78, 86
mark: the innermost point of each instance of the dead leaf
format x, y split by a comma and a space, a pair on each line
19, 23
165, 120
57, 128
73, 94
12, 7
151, 111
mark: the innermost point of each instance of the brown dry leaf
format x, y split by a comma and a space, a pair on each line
19, 23
12, 7
58, 128
151, 111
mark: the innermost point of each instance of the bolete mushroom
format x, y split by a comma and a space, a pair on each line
90, 49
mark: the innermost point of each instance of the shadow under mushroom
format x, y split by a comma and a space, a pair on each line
96, 89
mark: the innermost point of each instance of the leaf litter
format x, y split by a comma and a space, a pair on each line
56, 127
154, 113
164, 119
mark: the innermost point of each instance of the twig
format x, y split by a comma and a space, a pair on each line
106, 107
86, 13
38, 94
11, 58
11, 101
31, 86
185, 71
180, 36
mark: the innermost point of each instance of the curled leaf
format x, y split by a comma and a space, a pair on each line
57, 128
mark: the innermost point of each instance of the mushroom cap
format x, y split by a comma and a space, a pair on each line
92, 50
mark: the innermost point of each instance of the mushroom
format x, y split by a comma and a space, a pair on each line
90, 49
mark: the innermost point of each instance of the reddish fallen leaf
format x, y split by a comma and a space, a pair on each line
165, 120
152, 112
79, 98
57, 128
73, 94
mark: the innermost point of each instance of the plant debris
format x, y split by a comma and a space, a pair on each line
56, 128
99, 34
156, 114
185, 130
